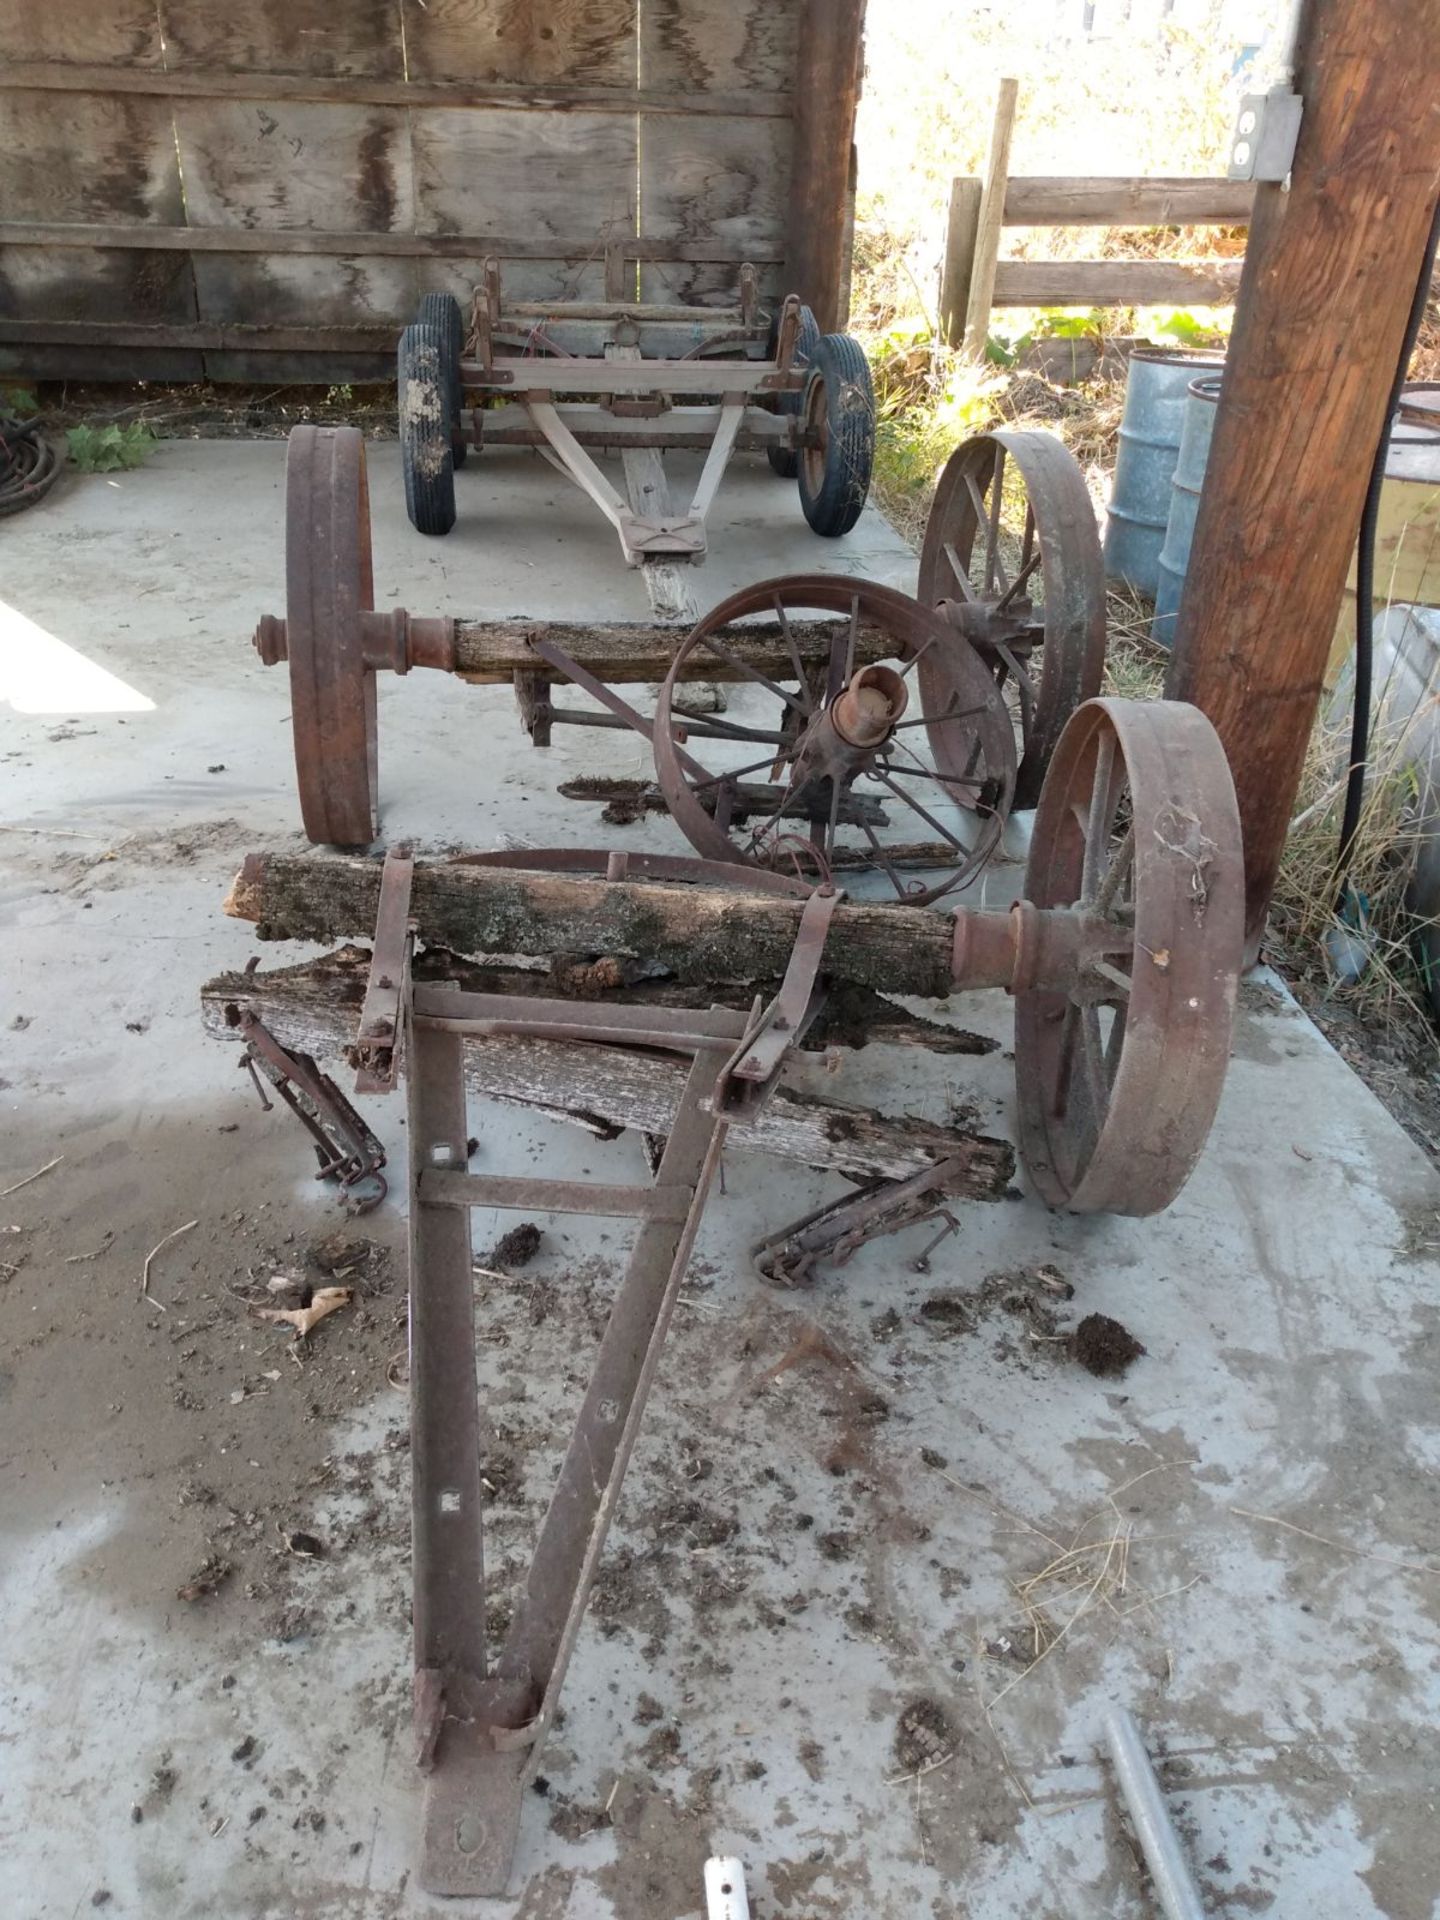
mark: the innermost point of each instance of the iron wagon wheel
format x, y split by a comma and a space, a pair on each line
442, 310
812, 774
785, 460
426, 453
328, 586
838, 417
1119, 1076
1012, 512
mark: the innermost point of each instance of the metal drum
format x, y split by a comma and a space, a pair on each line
1407, 533
1185, 485
1156, 390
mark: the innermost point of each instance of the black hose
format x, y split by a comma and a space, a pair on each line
1365, 583
29, 465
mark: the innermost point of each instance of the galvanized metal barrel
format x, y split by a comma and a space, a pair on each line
1185, 485
1155, 396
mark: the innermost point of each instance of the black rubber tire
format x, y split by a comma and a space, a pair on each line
442, 310
782, 460
426, 455
833, 507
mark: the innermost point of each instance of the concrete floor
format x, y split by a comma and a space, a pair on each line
839, 1495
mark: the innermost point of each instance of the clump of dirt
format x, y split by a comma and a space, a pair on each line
948, 1313
1104, 1346
359, 1262
662, 1750
923, 1735
502, 1481
517, 1248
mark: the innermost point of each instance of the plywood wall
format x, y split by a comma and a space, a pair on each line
195, 186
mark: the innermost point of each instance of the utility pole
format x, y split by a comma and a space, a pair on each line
1329, 277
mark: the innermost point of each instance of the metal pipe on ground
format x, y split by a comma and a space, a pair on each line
1169, 1870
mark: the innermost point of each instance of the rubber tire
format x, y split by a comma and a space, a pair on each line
783, 460
443, 310
426, 454
839, 360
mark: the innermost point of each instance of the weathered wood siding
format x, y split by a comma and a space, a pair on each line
197, 188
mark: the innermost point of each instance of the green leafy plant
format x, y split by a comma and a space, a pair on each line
110, 449
18, 402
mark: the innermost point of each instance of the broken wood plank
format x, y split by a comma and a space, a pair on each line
605, 1089
695, 933
495, 650
852, 1017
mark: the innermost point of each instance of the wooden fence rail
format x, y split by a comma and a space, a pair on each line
974, 280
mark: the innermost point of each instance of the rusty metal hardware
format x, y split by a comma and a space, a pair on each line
751, 1074
376, 1053
828, 735
838, 1229
1012, 561
1118, 1068
346, 1149
480, 1722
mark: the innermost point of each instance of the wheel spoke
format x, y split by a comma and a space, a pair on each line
1115, 1041
747, 672
1097, 1084
918, 768
1027, 568
706, 726
1102, 812
730, 775
807, 696
1025, 686
1065, 1060
915, 807
962, 578
926, 720
880, 855
994, 570
1121, 862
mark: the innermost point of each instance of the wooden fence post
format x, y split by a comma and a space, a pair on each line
1328, 281
991, 219
960, 234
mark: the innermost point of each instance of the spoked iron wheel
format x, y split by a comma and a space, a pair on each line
328, 585
826, 767
1011, 558
1118, 1077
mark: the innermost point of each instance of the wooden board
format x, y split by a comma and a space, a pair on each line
81, 156
67, 155
511, 171
589, 42
716, 46
716, 182
286, 36
122, 33
295, 163
1045, 201
1115, 283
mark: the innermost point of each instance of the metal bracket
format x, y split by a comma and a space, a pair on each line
347, 1150
379, 1038
752, 1072
836, 1230
1266, 133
